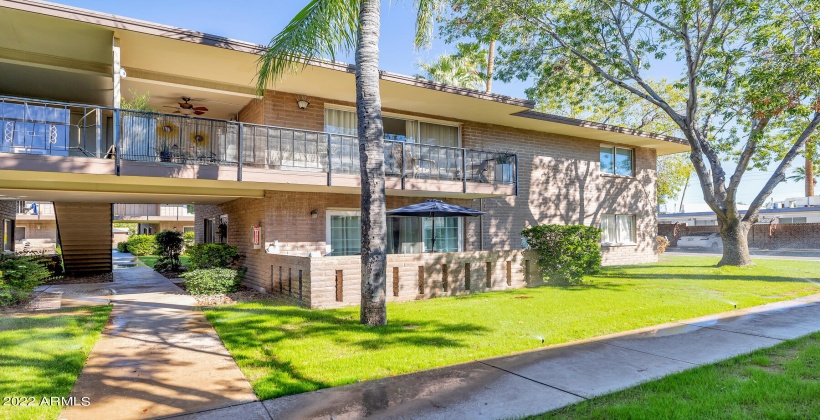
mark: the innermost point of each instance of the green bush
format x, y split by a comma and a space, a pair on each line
122, 247
19, 275
565, 253
169, 246
189, 238
142, 245
213, 256
212, 281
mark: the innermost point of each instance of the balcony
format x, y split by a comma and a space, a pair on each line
154, 144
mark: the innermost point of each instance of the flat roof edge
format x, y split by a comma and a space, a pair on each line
598, 126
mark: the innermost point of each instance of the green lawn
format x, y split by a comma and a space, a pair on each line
150, 260
42, 354
775, 383
286, 350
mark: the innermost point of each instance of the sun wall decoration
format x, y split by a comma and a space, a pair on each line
167, 131
199, 139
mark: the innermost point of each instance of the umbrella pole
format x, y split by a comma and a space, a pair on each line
433, 248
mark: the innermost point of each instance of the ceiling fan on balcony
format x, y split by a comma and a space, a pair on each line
187, 108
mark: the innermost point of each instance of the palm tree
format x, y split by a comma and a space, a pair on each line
319, 30
467, 68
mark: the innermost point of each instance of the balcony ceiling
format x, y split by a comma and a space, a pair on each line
186, 61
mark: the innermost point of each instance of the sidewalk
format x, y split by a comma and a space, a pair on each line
157, 356
546, 379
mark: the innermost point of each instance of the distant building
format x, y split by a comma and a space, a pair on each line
788, 211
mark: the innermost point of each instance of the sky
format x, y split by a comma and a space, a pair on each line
259, 21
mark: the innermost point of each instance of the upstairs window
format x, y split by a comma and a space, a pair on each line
617, 161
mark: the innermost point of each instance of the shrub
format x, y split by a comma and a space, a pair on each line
142, 245
663, 243
213, 256
189, 238
565, 253
169, 246
211, 281
19, 275
122, 247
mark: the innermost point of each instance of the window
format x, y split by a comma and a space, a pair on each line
405, 235
209, 231
186, 229
617, 161
618, 229
339, 121
344, 230
448, 234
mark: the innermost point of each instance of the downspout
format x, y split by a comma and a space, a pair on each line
481, 225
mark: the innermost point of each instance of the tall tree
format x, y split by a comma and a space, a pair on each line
320, 30
466, 68
750, 70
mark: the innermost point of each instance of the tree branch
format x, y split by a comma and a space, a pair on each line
779, 174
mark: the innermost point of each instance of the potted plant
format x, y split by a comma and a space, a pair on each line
166, 153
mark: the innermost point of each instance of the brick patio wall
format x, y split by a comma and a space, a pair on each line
332, 282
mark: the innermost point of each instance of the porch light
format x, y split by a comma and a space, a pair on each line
314, 213
302, 102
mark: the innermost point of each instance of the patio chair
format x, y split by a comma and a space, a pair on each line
414, 164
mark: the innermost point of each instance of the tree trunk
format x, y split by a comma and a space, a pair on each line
371, 156
735, 236
490, 61
809, 169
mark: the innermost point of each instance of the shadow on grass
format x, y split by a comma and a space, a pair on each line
266, 326
41, 355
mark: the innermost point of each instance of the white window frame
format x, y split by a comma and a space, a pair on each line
328, 214
418, 120
460, 234
615, 159
358, 213
618, 241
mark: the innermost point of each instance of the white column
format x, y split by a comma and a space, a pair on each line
116, 75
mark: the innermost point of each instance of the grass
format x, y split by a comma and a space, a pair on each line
151, 260
41, 355
778, 382
286, 350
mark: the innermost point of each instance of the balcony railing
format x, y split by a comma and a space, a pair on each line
64, 129
146, 211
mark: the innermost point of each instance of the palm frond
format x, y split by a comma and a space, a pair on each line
426, 13
320, 30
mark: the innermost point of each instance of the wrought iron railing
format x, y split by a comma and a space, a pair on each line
64, 129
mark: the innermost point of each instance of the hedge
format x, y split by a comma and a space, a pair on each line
565, 253
211, 281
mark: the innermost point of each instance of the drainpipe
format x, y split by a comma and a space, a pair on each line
481, 225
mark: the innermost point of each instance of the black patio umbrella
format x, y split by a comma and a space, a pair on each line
434, 208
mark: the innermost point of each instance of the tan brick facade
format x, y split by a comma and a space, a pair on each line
559, 183
559, 180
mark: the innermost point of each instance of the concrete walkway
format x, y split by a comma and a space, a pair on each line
157, 356
546, 379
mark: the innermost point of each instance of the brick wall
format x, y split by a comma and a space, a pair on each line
559, 180
763, 235
8, 211
330, 282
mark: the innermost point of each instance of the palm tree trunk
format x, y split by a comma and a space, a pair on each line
371, 156
809, 172
490, 60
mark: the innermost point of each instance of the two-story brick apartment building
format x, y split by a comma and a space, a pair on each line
287, 163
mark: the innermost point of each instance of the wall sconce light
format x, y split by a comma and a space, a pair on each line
314, 213
302, 102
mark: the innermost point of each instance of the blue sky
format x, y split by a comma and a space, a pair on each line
258, 21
